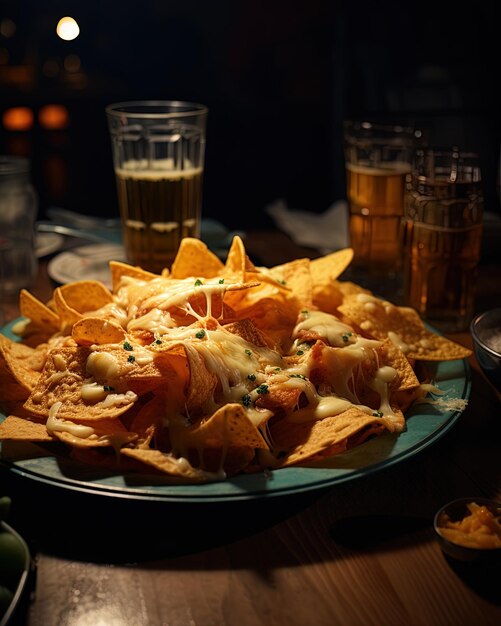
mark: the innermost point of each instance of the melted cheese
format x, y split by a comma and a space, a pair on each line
103, 365
55, 424
327, 326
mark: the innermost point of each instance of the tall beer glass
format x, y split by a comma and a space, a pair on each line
158, 156
443, 235
377, 160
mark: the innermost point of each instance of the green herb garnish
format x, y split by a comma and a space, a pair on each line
246, 400
127, 346
108, 388
131, 358
198, 282
262, 389
200, 334
252, 377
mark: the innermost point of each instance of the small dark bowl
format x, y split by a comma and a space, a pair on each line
485, 330
456, 510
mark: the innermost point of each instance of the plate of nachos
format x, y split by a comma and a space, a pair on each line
221, 379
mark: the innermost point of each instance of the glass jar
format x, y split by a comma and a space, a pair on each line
18, 212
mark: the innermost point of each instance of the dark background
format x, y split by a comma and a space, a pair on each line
278, 78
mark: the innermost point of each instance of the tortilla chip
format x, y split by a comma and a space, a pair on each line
179, 469
296, 275
107, 434
195, 259
37, 312
17, 375
303, 442
15, 428
120, 270
96, 330
402, 326
324, 272
237, 261
85, 295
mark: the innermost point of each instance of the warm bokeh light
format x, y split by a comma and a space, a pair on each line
7, 27
53, 117
67, 28
72, 63
18, 118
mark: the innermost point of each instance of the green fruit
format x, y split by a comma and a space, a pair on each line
12, 560
6, 597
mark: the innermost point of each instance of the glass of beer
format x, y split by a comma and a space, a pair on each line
158, 156
377, 160
442, 236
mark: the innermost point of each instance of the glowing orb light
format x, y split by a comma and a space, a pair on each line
67, 28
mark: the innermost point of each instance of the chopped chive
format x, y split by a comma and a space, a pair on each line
246, 400
108, 388
200, 334
262, 389
127, 346
131, 358
198, 282
300, 352
158, 341
221, 281
297, 376
377, 413
248, 352
251, 377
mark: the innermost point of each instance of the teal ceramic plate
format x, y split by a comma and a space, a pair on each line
426, 423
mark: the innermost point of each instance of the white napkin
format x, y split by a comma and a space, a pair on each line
325, 232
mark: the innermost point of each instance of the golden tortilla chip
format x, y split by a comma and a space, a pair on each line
105, 433
229, 426
402, 326
298, 443
237, 261
74, 299
296, 275
17, 374
37, 312
120, 270
97, 330
179, 469
324, 273
15, 428
195, 259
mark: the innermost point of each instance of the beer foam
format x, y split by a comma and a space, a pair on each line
159, 169
392, 168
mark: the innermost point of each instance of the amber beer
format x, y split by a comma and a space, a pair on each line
158, 157
376, 200
442, 242
158, 208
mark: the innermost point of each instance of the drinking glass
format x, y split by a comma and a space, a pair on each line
158, 156
442, 236
377, 161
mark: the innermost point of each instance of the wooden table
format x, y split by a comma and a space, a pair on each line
361, 553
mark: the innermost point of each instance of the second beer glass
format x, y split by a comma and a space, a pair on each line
377, 160
443, 236
158, 156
